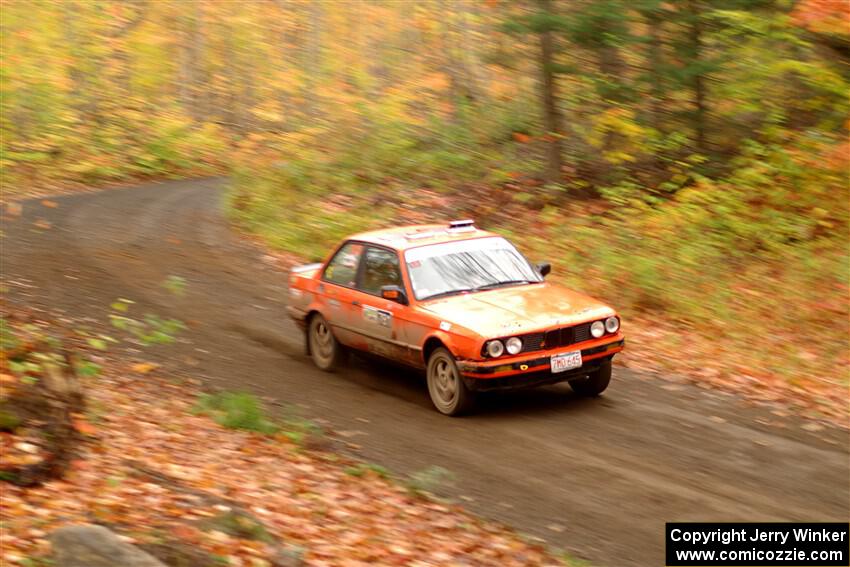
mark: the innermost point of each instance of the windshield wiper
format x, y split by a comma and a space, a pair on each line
449, 292
506, 282
479, 288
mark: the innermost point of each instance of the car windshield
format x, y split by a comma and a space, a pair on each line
469, 265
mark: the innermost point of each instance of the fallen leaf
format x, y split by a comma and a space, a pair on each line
41, 223
85, 427
14, 209
351, 433
49, 203
26, 447
144, 367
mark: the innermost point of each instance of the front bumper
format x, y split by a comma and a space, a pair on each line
537, 363
532, 379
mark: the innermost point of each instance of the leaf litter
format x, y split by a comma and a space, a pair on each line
159, 474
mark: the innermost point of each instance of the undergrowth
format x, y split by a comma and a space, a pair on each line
753, 262
236, 410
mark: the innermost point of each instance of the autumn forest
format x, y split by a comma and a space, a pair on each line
686, 159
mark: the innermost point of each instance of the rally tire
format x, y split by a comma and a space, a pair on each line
448, 392
327, 353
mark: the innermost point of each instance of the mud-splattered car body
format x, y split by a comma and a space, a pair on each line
403, 293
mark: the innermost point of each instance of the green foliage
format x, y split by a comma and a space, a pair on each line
8, 476
236, 410
304, 432
314, 198
570, 560
24, 367
9, 421
429, 480
238, 524
37, 562
366, 469
175, 284
711, 135
151, 330
8, 340
100, 342
87, 369
746, 257
159, 331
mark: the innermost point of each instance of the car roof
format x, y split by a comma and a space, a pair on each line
406, 237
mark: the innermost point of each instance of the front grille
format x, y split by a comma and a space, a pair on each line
532, 342
555, 338
581, 333
566, 336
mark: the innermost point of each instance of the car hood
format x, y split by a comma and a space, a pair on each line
518, 309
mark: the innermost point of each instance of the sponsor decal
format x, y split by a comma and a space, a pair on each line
379, 317
445, 326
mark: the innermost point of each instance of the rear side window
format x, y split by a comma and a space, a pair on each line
342, 269
380, 268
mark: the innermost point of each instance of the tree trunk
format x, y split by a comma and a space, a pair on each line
122, 50
698, 78
314, 59
467, 52
655, 56
186, 64
230, 100
450, 66
80, 98
551, 115
48, 405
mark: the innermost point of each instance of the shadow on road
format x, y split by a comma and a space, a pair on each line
408, 384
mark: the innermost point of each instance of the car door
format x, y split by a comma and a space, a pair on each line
337, 292
380, 320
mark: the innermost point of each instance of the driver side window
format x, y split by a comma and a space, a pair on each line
380, 268
342, 269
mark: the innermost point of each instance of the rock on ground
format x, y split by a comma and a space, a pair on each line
95, 546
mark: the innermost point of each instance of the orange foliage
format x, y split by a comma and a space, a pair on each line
823, 16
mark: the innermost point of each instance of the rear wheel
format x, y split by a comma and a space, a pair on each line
595, 383
325, 350
448, 392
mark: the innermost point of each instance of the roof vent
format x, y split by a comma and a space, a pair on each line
462, 225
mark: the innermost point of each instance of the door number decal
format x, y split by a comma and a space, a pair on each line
377, 316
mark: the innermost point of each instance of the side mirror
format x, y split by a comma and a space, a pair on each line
394, 293
544, 268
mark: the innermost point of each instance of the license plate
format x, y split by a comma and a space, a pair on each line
566, 361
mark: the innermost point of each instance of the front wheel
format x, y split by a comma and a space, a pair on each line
325, 350
595, 383
448, 392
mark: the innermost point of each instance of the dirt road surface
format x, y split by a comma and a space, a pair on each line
598, 478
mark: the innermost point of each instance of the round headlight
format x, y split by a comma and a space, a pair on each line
513, 345
612, 324
597, 329
495, 349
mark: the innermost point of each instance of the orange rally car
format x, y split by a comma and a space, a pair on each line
462, 303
